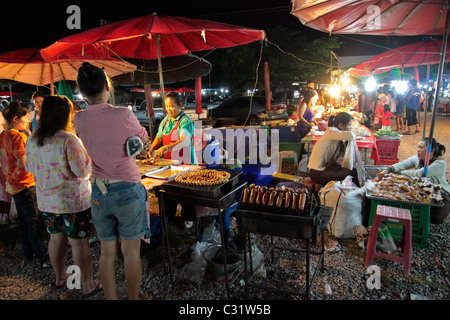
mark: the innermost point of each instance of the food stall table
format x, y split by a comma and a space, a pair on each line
220, 197
369, 142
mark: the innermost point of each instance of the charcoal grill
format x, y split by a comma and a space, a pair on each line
219, 196
305, 227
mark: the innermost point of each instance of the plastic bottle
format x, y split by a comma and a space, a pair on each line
386, 238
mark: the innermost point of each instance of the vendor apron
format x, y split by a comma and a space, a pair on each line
173, 136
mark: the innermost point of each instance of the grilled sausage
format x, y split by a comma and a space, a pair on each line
265, 198
272, 198
295, 200
245, 195
253, 195
302, 201
287, 199
279, 199
259, 196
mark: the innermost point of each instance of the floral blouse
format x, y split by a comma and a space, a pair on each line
61, 170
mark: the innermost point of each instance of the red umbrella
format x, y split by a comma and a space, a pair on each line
28, 66
7, 94
373, 17
410, 55
138, 37
153, 37
381, 17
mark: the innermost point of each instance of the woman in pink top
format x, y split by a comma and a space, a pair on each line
118, 196
61, 167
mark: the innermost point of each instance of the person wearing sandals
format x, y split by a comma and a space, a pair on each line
61, 167
20, 183
118, 197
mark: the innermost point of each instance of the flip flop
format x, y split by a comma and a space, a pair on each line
90, 294
55, 286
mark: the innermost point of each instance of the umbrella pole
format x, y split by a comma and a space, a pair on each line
161, 80
438, 85
52, 91
426, 102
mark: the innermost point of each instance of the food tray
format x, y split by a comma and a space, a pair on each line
373, 197
167, 173
213, 191
147, 169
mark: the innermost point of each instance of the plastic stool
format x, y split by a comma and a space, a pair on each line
287, 155
397, 215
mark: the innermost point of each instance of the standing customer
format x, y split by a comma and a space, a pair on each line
20, 183
365, 104
61, 168
118, 196
413, 98
34, 116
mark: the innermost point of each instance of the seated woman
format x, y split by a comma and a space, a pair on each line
414, 167
325, 164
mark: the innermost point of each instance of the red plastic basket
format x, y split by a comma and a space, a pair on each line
385, 162
387, 149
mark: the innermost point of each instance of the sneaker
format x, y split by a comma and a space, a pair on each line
47, 265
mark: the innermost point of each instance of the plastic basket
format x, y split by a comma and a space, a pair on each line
385, 162
388, 149
420, 221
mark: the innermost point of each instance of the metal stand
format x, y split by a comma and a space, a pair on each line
303, 234
221, 202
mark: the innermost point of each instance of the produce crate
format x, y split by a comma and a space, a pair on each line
388, 149
420, 215
385, 162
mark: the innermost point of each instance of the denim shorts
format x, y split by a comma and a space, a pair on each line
122, 212
75, 225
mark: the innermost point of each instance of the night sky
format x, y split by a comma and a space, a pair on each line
40, 23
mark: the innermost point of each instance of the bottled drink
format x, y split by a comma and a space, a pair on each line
387, 239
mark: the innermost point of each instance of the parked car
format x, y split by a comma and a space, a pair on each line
236, 111
142, 115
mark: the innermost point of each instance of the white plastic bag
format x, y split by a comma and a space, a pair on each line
347, 204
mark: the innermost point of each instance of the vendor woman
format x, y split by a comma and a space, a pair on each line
414, 167
175, 133
325, 164
174, 141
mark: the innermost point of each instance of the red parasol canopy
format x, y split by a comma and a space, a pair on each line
153, 37
373, 17
411, 55
137, 38
28, 66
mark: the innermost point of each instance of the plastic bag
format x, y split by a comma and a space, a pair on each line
211, 234
257, 257
347, 204
349, 156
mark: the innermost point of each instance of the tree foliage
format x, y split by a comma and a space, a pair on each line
292, 56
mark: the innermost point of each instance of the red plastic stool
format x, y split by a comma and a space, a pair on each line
396, 215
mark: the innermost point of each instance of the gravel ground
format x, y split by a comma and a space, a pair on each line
344, 278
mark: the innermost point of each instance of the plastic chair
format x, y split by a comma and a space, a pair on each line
397, 215
287, 154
